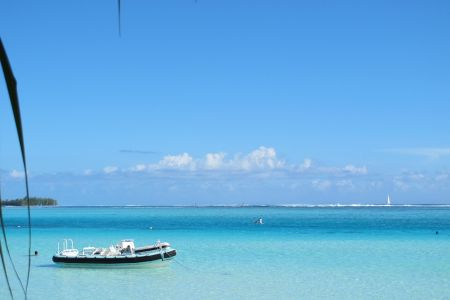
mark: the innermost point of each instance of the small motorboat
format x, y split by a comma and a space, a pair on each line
123, 253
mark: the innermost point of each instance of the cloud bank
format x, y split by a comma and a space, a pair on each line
260, 160
260, 176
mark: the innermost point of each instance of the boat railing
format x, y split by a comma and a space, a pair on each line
66, 250
65, 244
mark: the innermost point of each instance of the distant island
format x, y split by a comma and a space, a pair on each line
34, 201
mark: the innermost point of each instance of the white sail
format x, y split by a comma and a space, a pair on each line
388, 200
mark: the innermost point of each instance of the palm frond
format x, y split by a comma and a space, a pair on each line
5, 239
5, 272
11, 85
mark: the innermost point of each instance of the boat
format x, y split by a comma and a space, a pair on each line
388, 202
124, 253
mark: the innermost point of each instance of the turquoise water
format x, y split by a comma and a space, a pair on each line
299, 253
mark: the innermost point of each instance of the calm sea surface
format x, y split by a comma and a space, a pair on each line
299, 253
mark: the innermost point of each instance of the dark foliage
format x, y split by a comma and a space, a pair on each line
34, 201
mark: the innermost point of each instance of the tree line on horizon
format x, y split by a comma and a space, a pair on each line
34, 201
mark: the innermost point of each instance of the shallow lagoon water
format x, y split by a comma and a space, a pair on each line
299, 253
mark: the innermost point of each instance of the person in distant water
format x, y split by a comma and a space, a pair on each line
36, 253
437, 232
259, 221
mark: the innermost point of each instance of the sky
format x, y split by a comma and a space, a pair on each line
229, 102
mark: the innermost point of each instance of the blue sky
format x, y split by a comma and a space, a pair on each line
225, 102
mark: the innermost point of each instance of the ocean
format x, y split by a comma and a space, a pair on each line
298, 253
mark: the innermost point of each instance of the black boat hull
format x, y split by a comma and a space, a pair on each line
114, 260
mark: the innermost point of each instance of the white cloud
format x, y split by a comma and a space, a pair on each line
355, 170
182, 161
214, 161
17, 174
306, 165
138, 168
347, 170
110, 169
261, 158
87, 172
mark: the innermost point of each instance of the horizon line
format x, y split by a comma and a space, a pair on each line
330, 205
